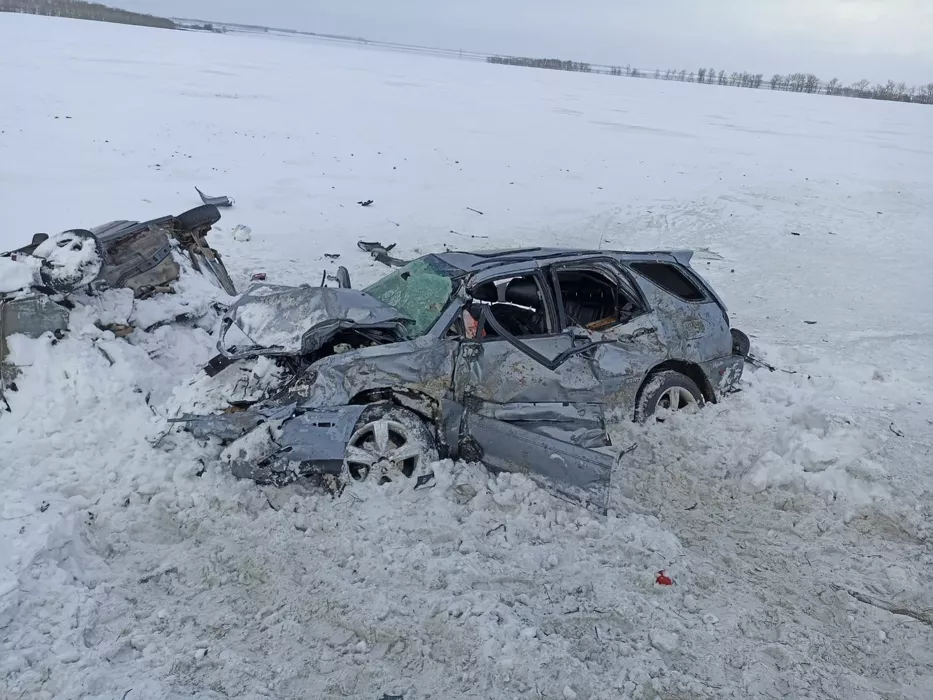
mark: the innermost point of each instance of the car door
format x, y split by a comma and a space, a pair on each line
532, 402
525, 372
597, 300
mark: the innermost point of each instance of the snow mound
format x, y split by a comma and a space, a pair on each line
16, 275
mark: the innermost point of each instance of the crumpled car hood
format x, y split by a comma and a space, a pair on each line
271, 319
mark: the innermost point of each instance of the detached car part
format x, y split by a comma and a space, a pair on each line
129, 254
222, 201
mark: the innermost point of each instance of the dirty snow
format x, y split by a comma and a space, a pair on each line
135, 567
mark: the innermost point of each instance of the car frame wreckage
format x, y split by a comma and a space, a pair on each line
145, 257
522, 359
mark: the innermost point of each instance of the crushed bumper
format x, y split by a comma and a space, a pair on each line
281, 444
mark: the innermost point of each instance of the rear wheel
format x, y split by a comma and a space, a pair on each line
667, 391
390, 443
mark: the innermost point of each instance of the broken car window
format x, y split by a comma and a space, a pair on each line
594, 301
420, 290
517, 303
669, 278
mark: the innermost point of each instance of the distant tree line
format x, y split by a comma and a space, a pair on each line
549, 63
76, 9
793, 82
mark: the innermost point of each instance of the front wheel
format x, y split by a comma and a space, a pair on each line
667, 391
390, 443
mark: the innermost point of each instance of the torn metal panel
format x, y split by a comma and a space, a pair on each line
232, 426
312, 442
424, 366
31, 316
572, 470
320, 437
222, 201
498, 371
278, 320
380, 253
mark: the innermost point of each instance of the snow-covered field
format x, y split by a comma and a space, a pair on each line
137, 571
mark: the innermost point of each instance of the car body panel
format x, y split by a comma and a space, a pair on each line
278, 320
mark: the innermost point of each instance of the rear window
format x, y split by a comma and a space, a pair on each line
670, 279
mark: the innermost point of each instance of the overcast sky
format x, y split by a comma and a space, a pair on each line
851, 39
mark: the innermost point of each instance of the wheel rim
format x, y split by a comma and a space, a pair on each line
381, 451
677, 398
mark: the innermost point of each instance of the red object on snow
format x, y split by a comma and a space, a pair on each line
663, 579
259, 277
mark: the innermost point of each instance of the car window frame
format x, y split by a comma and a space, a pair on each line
549, 303
623, 282
685, 271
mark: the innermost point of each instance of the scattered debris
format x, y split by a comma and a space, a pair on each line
662, 579
222, 201
157, 573
242, 233
467, 235
423, 480
331, 256
694, 506
895, 430
118, 329
475, 210
44, 506
105, 354
381, 253
757, 362
925, 616
365, 203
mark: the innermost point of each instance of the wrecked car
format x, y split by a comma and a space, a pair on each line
145, 257
521, 359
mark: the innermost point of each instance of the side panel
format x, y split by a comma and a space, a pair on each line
425, 365
576, 472
499, 372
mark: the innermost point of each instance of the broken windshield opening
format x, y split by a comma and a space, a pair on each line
420, 290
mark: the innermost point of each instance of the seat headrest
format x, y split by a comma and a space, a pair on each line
486, 292
523, 291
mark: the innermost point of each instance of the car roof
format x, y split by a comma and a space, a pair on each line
475, 261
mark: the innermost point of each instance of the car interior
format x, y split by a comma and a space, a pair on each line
516, 303
591, 300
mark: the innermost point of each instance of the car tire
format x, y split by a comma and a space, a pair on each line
200, 217
62, 269
389, 443
664, 390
